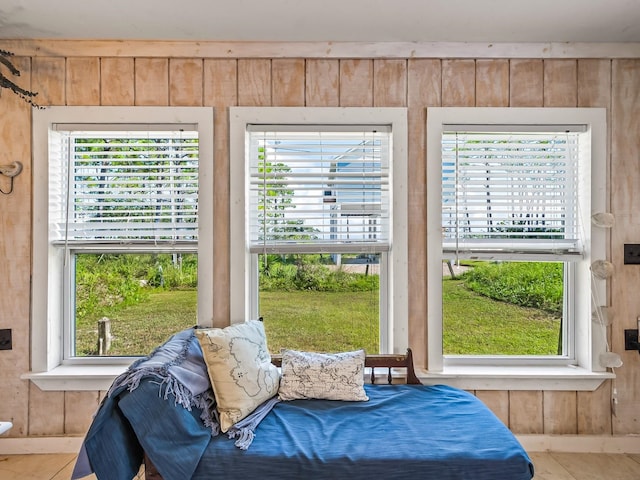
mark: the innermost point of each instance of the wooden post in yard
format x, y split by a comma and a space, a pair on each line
104, 335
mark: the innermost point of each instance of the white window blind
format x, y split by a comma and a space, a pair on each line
319, 189
124, 187
510, 192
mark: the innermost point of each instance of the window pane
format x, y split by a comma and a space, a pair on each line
323, 303
508, 191
503, 308
121, 185
330, 186
146, 297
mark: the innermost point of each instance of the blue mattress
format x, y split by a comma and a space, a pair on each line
402, 432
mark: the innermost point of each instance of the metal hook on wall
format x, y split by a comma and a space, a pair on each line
12, 170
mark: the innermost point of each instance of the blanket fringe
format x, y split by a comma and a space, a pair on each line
243, 431
244, 437
169, 384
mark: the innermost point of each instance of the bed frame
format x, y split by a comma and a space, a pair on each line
390, 362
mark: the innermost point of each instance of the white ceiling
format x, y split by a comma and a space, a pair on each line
509, 21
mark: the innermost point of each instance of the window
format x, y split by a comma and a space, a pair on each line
119, 202
323, 186
516, 188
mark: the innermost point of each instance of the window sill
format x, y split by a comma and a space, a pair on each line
76, 377
516, 378
100, 377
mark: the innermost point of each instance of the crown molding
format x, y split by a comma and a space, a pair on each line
401, 50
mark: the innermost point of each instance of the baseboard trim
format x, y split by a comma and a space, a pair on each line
531, 443
581, 443
33, 445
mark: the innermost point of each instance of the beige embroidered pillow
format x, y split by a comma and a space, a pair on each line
329, 376
240, 369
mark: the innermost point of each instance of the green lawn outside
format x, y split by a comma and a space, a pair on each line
309, 320
138, 329
476, 325
321, 321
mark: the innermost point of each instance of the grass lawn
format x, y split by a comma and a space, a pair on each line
139, 328
309, 320
316, 321
476, 325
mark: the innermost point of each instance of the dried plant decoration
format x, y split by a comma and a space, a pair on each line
5, 82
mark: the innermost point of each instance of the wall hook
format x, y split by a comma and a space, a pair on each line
12, 170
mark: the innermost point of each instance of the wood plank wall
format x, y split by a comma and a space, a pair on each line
416, 83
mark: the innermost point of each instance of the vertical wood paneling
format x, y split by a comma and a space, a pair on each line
83, 81
117, 81
424, 80
356, 83
389, 83
594, 411
221, 85
625, 118
185, 82
492, 83
625, 182
48, 80
560, 83
152, 81
15, 212
46, 412
458, 83
497, 401
525, 83
560, 413
221, 91
322, 83
594, 83
14, 241
526, 412
254, 82
15, 259
79, 410
288, 82
594, 90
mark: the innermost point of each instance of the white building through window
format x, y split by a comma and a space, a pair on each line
323, 184
130, 187
513, 189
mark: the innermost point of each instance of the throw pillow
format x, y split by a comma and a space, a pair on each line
240, 369
329, 376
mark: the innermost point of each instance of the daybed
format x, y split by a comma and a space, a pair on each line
403, 431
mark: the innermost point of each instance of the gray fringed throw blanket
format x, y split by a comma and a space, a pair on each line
179, 373
179, 368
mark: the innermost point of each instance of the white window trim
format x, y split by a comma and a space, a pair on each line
586, 372
242, 292
48, 370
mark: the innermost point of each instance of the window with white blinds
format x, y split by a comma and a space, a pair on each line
135, 186
318, 189
510, 192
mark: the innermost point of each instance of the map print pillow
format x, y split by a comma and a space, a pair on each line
240, 369
335, 376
